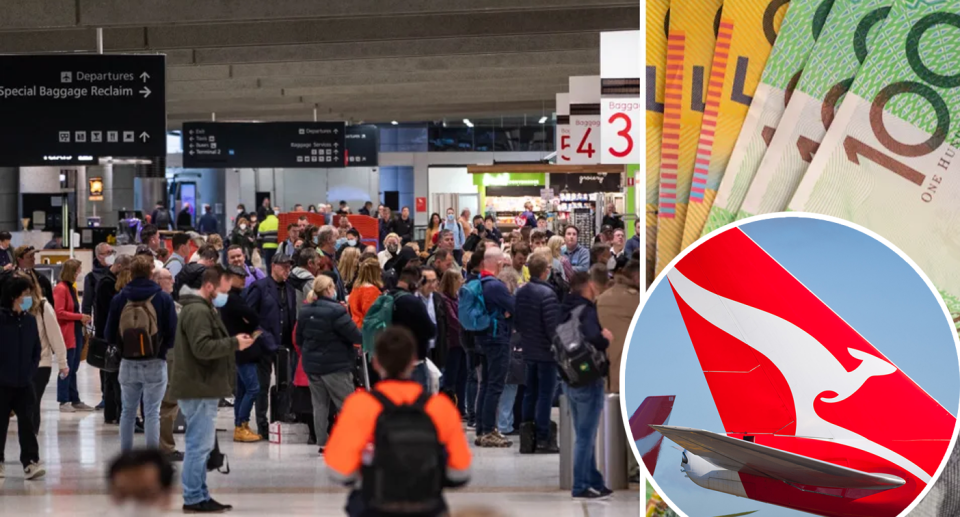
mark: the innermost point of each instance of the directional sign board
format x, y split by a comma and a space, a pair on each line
363, 146
218, 145
76, 109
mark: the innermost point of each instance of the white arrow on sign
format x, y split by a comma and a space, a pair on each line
145, 76
144, 136
145, 91
191, 153
335, 131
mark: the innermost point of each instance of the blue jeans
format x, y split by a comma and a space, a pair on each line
541, 383
586, 402
149, 379
200, 416
505, 408
493, 375
67, 388
248, 387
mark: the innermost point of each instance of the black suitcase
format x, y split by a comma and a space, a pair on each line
280, 404
284, 368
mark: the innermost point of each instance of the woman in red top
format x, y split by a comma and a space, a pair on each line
67, 307
366, 289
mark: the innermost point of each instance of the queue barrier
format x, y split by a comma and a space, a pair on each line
611, 446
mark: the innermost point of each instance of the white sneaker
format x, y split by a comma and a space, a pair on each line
33, 471
67, 408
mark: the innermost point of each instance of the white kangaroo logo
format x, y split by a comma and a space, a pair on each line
808, 367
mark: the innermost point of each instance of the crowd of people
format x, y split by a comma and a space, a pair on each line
463, 330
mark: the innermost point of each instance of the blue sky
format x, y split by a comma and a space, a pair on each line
865, 282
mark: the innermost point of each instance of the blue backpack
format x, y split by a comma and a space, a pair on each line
473, 309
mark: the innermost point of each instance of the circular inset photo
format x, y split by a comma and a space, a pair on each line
794, 365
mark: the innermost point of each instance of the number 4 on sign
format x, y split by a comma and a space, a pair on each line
588, 150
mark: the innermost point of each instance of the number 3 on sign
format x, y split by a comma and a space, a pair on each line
625, 133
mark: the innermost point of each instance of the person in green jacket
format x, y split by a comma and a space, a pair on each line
206, 372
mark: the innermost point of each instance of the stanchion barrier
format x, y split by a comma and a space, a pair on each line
565, 441
611, 444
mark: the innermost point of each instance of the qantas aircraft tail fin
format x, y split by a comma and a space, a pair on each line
652, 411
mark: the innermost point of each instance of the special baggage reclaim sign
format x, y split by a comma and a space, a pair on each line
76, 109
218, 145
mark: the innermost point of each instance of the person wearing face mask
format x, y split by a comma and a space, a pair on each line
452, 224
103, 258
140, 484
142, 377
19, 361
245, 238
352, 241
205, 358
239, 318
391, 249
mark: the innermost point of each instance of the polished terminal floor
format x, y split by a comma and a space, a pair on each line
266, 479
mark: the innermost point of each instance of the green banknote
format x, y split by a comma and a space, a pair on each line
800, 29
852, 29
890, 159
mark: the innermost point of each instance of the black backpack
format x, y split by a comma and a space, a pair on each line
407, 473
579, 362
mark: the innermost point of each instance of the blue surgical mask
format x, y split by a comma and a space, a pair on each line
339, 242
26, 304
351, 242
450, 217
316, 240
220, 300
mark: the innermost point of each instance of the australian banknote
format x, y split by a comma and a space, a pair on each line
852, 29
890, 159
746, 32
690, 43
656, 60
799, 32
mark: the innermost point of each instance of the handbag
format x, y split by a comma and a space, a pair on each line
103, 355
217, 460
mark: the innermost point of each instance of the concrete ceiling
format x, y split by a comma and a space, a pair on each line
356, 60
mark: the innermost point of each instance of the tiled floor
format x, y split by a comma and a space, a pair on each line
267, 479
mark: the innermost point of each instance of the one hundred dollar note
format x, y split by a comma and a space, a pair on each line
657, 19
747, 31
890, 160
690, 43
852, 29
799, 32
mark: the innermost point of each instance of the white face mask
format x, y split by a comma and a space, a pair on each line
109, 260
243, 227
239, 210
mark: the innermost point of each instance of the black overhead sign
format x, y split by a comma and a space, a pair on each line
75, 109
363, 146
586, 183
218, 145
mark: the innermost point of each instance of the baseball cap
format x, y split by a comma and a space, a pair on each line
21, 251
281, 259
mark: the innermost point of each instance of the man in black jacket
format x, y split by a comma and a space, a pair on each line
403, 226
538, 314
19, 361
240, 318
274, 300
410, 312
586, 401
102, 254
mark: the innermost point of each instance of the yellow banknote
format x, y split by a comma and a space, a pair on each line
690, 43
747, 32
657, 12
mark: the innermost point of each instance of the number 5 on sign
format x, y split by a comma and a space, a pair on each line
585, 139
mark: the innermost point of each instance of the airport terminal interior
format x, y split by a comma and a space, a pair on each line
242, 120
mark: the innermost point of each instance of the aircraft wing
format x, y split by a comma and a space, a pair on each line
759, 460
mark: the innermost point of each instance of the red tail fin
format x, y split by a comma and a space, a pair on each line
653, 411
